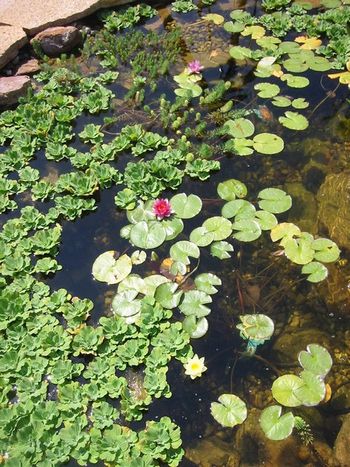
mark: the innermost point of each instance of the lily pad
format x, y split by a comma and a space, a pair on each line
206, 281
281, 101
109, 268
285, 230
316, 359
248, 230
266, 220
194, 303
325, 250
229, 411
221, 250
147, 235
238, 208
300, 103
201, 237
214, 18
232, 189
181, 251
240, 53
267, 90
125, 305
284, 389
294, 121
274, 200
316, 271
295, 81
268, 143
256, 327
255, 31
274, 425
299, 250
173, 227
239, 128
313, 390
167, 296
197, 328
185, 206
220, 227
242, 146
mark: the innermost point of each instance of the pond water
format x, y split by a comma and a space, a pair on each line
257, 278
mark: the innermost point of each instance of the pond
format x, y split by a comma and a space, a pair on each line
210, 327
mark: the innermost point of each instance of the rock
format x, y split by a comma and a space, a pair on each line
333, 198
58, 40
335, 290
213, 451
35, 15
341, 446
29, 67
304, 209
12, 88
12, 38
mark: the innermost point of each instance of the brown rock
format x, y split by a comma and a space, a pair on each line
29, 67
341, 446
58, 40
36, 15
12, 88
12, 38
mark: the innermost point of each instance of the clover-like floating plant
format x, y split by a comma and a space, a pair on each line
255, 329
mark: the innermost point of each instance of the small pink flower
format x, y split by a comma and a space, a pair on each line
162, 208
195, 67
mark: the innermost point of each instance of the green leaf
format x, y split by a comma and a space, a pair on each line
268, 143
294, 121
281, 101
109, 268
214, 18
194, 303
233, 27
316, 359
220, 227
181, 251
238, 208
284, 390
274, 200
267, 90
166, 296
240, 53
300, 103
231, 189
138, 257
299, 250
266, 220
241, 146
320, 64
316, 271
285, 230
256, 327
201, 237
221, 250
295, 81
124, 303
185, 206
147, 235
313, 390
275, 426
229, 411
239, 128
173, 227
248, 230
205, 282
325, 250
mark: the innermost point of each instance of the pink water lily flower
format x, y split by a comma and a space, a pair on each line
162, 208
195, 67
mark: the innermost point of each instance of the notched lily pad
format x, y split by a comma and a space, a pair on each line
110, 268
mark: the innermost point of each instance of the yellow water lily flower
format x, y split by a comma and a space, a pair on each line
195, 367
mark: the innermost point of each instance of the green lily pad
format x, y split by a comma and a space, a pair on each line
181, 251
185, 206
284, 389
150, 284
147, 235
316, 271
238, 208
275, 426
267, 90
239, 128
285, 230
206, 281
300, 103
299, 250
173, 227
325, 250
281, 101
243, 146
194, 302
294, 121
167, 296
125, 305
196, 328
229, 411
295, 81
221, 250
268, 143
232, 189
254, 31
266, 220
320, 64
138, 257
240, 53
316, 359
256, 327
296, 64
313, 390
109, 268
234, 27
220, 227
274, 200
201, 237
248, 230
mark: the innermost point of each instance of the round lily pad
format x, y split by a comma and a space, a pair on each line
274, 200
232, 189
284, 388
229, 411
316, 271
220, 227
256, 327
109, 268
274, 425
246, 230
239, 128
316, 359
147, 235
185, 206
268, 143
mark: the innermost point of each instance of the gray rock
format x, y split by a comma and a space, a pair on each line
36, 15
12, 38
341, 446
12, 88
58, 40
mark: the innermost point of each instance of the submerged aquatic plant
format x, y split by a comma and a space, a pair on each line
162, 208
195, 367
